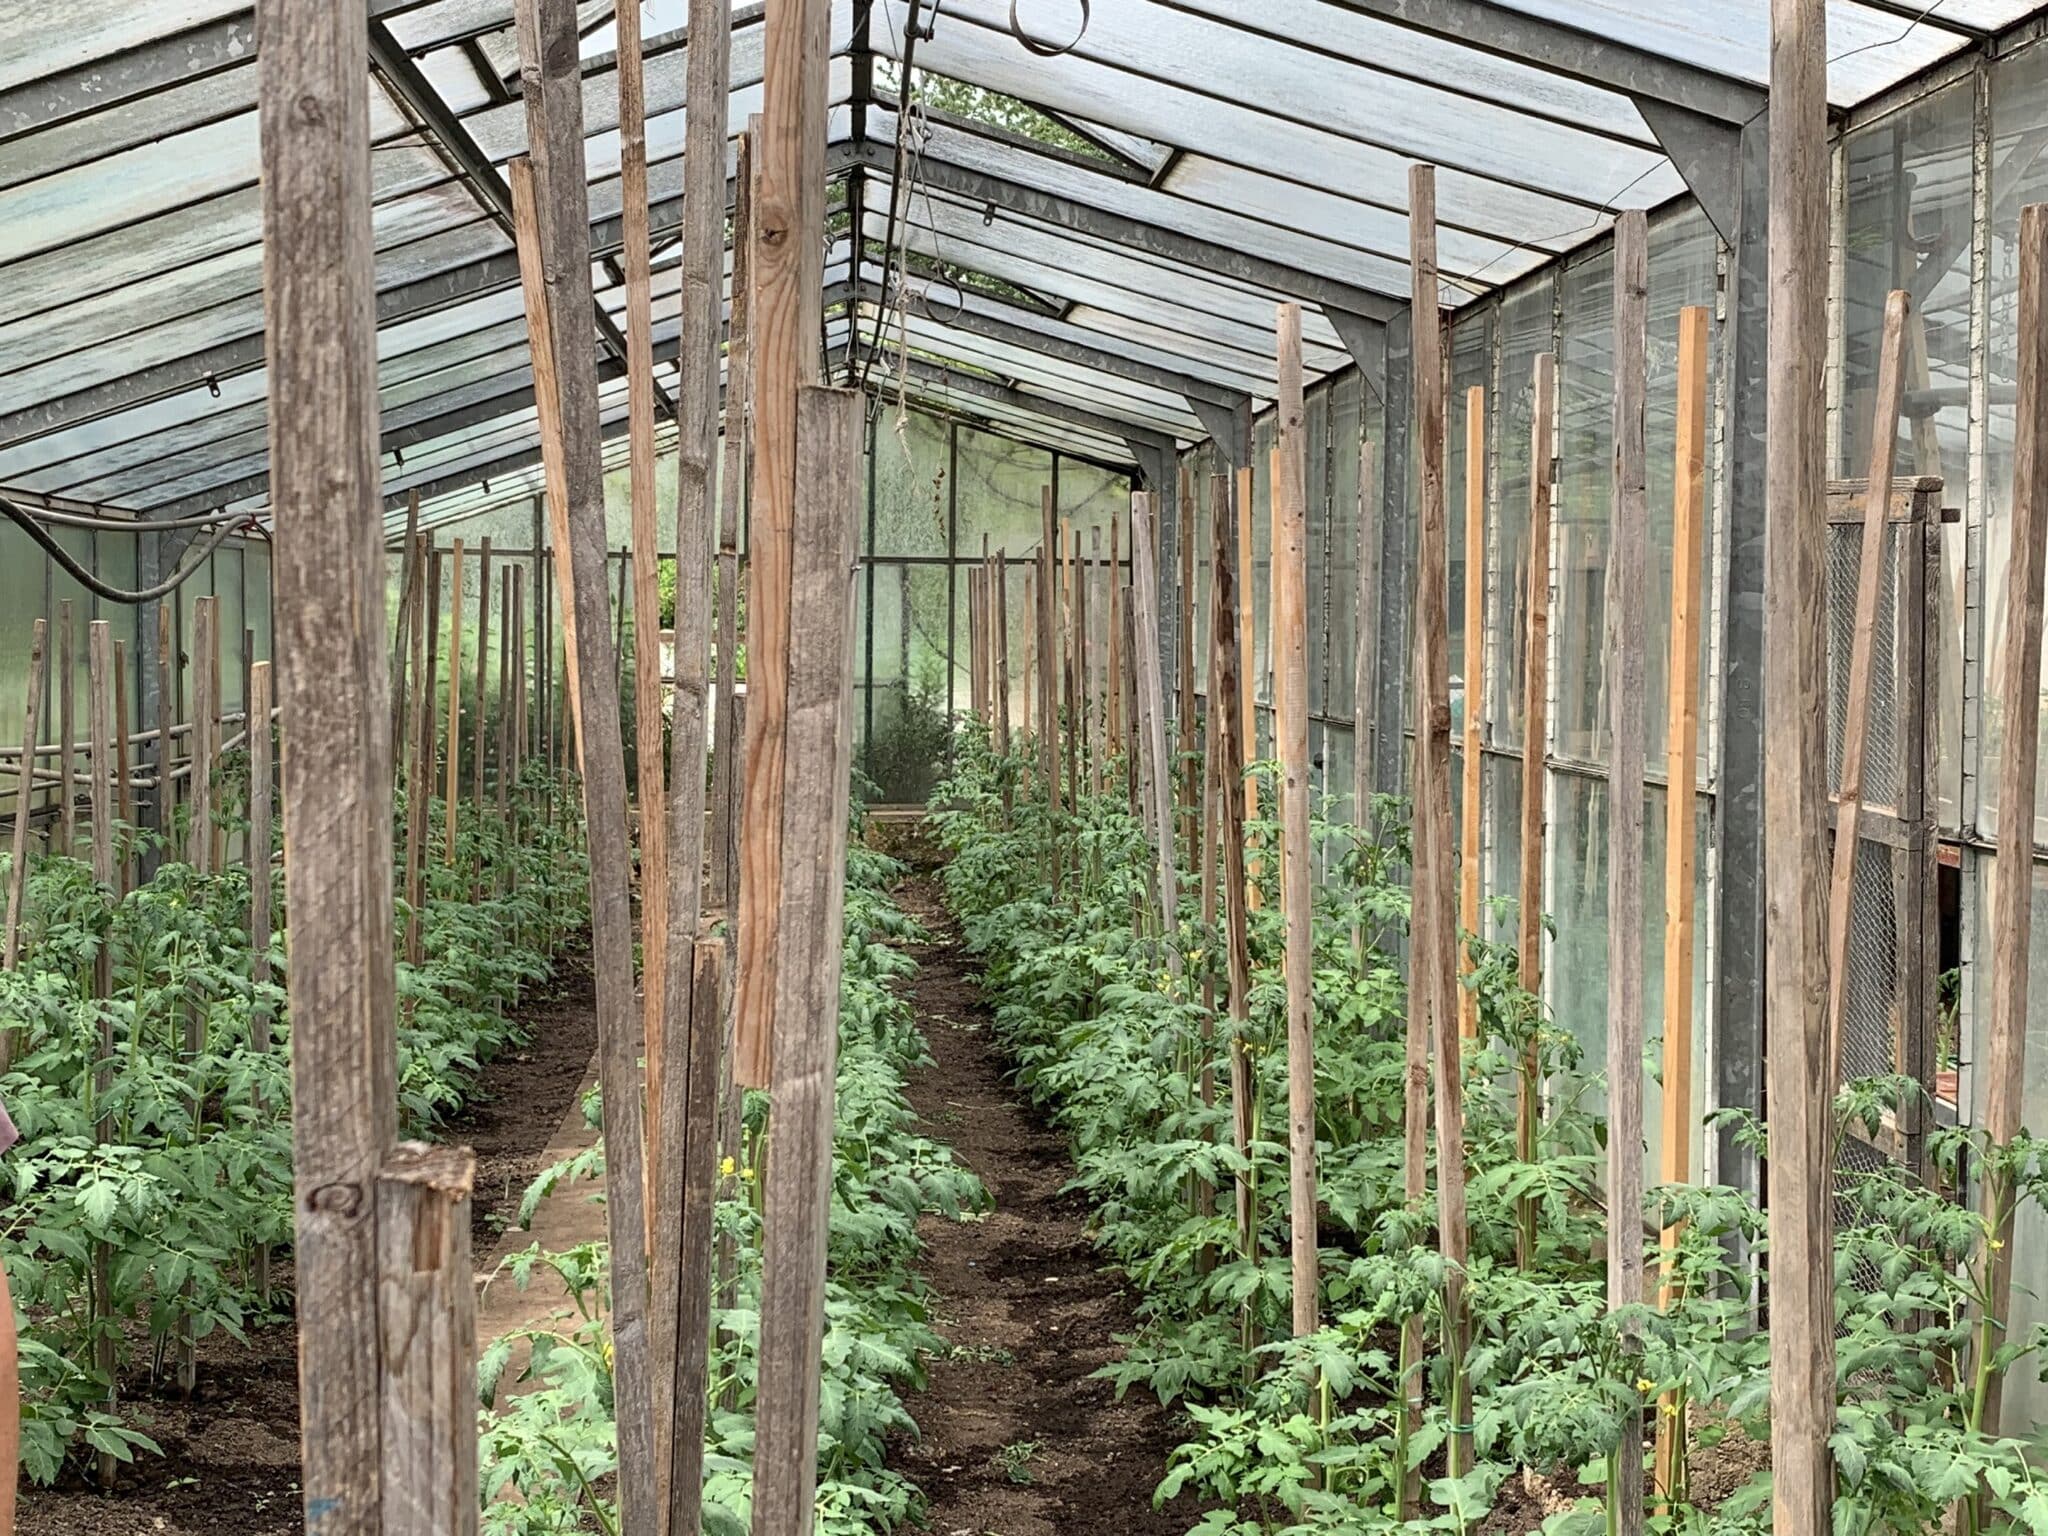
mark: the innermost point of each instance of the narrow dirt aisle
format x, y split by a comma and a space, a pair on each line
1017, 1440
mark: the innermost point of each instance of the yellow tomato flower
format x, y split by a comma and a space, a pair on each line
725, 1168
747, 1175
1644, 1384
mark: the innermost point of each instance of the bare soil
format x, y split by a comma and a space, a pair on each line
231, 1462
1015, 1437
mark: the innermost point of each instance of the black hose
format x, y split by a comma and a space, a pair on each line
32, 524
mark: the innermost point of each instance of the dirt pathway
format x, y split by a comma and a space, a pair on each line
1016, 1439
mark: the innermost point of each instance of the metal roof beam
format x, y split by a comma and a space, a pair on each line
1590, 57
1101, 221
1070, 349
128, 76
1037, 405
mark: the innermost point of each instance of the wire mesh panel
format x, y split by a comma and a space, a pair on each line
1889, 993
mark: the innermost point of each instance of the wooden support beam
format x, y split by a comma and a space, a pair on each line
1151, 717
67, 730
1798, 1089
1432, 1014
451, 791
1365, 639
408, 612
1048, 652
1290, 729
124, 807
1113, 694
1681, 764
726, 773
426, 1311
1248, 665
262, 824
1224, 722
547, 404
1474, 687
650, 797
1870, 584
483, 678
817, 762
166, 717
329, 582
420, 779
1188, 765
1628, 560
1535, 772
552, 86
789, 214
2018, 770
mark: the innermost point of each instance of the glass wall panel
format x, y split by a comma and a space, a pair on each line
1526, 334
912, 489
1347, 435
1584, 509
1471, 368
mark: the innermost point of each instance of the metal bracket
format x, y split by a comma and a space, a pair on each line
1708, 155
1231, 428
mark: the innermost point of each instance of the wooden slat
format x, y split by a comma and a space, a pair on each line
100, 779
1474, 703
1433, 1028
67, 730
329, 581
799, 1176
408, 616
547, 402
480, 724
166, 717
1797, 1086
451, 789
1248, 665
726, 776
1151, 716
1224, 723
2005, 1046
1535, 768
1189, 767
650, 798
262, 824
420, 780
1290, 728
1870, 584
1048, 653
426, 1311
1365, 677
124, 806
1628, 560
789, 214
1113, 693
1681, 760
552, 88
17, 863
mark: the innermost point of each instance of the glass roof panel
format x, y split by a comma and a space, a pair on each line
138, 120
41, 37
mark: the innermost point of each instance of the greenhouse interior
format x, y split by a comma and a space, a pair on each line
1218, 768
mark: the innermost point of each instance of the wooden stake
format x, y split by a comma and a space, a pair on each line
1224, 722
1870, 581
67, 732
24, 794
480, 726
819, 751
1627, 639
1048, 655
789, 214
1535, 773
1433, 967
420, 781
1475, 703
547, 401
205, 728
124, 807
1002, 636
726, 777
426, 1311
408, 612
1365, 678
2019, 762
166, 718
99, 709
1681, 761
553, 90
1151, 718
1248, 654
262, 814
1189, 768
1290, 729
328, 564
1798, 1088
451, 794
1113, 694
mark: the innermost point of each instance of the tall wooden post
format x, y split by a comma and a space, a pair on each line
408, 615
1870, 583
818, 759
1248, 665
1432, 1015
1628, 558
100, 713
1048, 653
451, 792
24, 797
1290, 728
552, 86
1154, 774
1535, 773
1475, 703
328, 563
1798, 1089
1681, 764
480, 724
67, 730
1365, 642
789, 215
420, 781
2013, 875
262, 821
726, 774
1184, 609
1224, 721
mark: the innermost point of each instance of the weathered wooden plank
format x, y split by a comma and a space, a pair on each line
262, 825
1870, 570
727, 778
408, 617
124, 805
419, 792
551, 81
329, 581
1474, 703
789, 216
1224, 721
1188, 765
1113, 693
1535, 766
426, 1313
1797, 1088
1365, 677
451, 789
1433, 966
817, 762
1248, 666
67, 730
1290, 728
2018, 772
1628, 559
547, 403
1681, 760
481, 724
1048, 652
1154, 772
